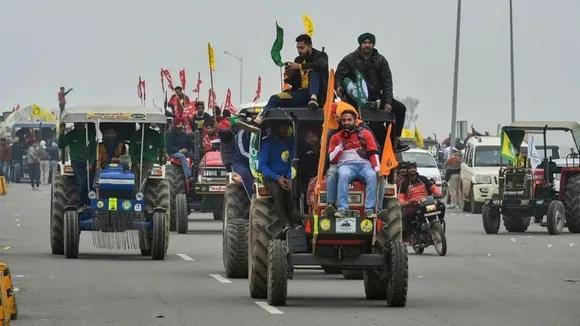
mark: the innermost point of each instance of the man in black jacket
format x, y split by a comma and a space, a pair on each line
376, 86
308, 76
178, 144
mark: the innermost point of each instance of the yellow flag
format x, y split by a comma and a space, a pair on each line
211, 56
308, 25
419, 138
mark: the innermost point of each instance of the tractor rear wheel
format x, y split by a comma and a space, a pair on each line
572, 203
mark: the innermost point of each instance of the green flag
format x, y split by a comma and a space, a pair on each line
508, 151
277, 46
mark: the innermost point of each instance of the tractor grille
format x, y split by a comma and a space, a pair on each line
516, 184
116, 194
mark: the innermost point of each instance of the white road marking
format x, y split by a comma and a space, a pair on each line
185, 257
220, 278
17, 276
272, 310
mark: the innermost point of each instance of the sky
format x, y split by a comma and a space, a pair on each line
100, 48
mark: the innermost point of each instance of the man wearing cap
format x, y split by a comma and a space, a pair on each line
307, 75
179, 145
178, 102
372, 69
355, 152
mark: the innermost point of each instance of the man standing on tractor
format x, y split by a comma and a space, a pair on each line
179, 145
110, 149
201, 119
62, 98
178, 102
413, 188
376, 84
227, 135
274, 158
337, 110
153, 148
241, 158
76, 140
308, 76
355, 152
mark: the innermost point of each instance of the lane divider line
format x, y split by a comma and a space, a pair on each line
18, 276
220, 278
185, 257
272, 310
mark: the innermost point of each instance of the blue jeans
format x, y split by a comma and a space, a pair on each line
244, 172
296, 98
348, 172
332, 186
5, 168
182, 157
80, 172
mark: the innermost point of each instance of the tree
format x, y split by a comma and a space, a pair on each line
411, 117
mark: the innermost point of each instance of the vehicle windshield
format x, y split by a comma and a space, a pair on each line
487, 156
423, 160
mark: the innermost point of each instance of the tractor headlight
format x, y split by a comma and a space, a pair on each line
139, 196
92, 195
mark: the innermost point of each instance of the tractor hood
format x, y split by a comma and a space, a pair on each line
211, 160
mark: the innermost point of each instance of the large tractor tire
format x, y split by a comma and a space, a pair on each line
572, 203
264, 226
236, 227
391, 216
398, 278
72, 233
63, 193
490, 219
157, 194
516, 223
174, 174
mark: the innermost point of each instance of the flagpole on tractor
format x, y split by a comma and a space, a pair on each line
513, 86
455, 77
241, 59
281, 80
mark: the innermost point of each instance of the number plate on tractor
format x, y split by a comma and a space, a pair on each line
346, 225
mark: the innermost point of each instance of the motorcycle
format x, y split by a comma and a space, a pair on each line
429, 226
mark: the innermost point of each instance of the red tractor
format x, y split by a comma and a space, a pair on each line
526, 191
204, 193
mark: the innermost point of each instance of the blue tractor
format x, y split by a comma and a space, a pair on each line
125, 212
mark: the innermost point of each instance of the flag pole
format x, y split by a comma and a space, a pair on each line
281, 79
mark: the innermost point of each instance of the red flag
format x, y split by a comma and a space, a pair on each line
198, 85
140, 89
228, 103
211, 102
162, 81
182, 78
144, 91
259, 90
167, 76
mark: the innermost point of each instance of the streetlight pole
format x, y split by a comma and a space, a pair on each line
513, 86
241, 71
455, 78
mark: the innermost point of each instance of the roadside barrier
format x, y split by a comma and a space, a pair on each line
9, 309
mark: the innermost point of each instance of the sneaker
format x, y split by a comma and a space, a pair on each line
313, 104
330, 210
370, 214
340, 214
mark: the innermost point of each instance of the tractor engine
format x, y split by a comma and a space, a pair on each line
116, 181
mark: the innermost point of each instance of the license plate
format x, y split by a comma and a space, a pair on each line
346, 225
217, 188
112, 204
433, 213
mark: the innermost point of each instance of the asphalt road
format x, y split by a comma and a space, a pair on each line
506, 279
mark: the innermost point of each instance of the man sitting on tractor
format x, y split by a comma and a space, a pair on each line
76, 140
355, 152
178, 102
332, 173
153, 144
308, 76
110, 149
413, 188
367, 71
241, 158
179, 145
276, 152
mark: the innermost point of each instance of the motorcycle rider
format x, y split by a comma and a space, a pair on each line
308, 76
179, 145
413, 188
377, 84
178, 102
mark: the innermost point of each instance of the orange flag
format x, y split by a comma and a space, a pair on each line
388, 159
325, 128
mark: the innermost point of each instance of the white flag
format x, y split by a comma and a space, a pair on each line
98, 133
533, 155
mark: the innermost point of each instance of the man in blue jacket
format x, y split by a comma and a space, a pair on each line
179, 145
241, 158
275, 156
